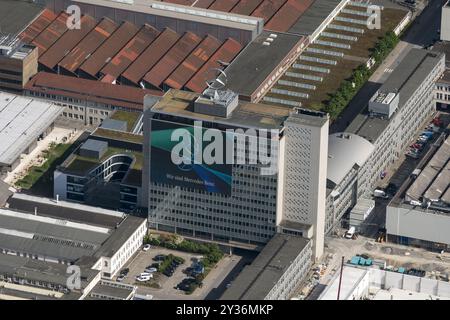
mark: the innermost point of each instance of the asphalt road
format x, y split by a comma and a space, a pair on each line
422, 33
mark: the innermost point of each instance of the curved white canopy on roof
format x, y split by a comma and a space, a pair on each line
344, 151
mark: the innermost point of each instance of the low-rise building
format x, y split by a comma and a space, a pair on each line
47, 245
106, 170
23, 121
419, 215
275, 273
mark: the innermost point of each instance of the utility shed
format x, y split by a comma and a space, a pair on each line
93, 149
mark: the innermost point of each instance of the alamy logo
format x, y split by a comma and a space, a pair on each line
74, 19
202, 146
374, 19
74, 280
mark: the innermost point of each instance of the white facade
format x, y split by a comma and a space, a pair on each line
445, 22
112, 264
305, 174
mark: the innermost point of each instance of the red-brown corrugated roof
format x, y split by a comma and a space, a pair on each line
88, 45
193, 63
109, 48
246, 7
37, 26
130, 52
67, 42
268, 8
93, 90
286, 17
226, 53
172, 59
51, 34
223, 5
154, 52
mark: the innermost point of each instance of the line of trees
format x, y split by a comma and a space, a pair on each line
360, 76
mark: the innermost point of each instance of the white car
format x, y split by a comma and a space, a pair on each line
146, 274
151, 270
146, 247
143, 279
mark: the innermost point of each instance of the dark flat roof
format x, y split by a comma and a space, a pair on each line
258, 278
16, 15
316, 14
88, 45
66, 213
133, 49
252, 67
405, 79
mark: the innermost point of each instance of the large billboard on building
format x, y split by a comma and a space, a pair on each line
177, 158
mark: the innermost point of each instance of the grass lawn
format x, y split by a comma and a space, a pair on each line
129, 117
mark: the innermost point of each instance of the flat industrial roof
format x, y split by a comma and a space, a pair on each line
405, 80
247, 115
22, 120
16, 15
49, 237
252, 66
109, 290
91, 90
259, 278
316, 14
66, 210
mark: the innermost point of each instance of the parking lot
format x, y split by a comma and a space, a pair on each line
162, 287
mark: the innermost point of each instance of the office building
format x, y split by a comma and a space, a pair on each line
241, 200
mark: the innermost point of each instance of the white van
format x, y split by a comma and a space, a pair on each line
350, 233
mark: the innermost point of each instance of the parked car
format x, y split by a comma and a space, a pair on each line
124, 272
120, 278
146, 247
168, 272
146, 274
143, 278
159, 257
150, 269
